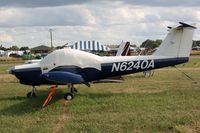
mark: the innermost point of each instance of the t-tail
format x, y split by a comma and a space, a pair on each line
175, 49
178, 42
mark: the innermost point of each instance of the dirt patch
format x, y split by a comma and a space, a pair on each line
7, 78
193, 128
63, 117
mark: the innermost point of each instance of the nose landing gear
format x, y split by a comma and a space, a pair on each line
31, 93
70, 95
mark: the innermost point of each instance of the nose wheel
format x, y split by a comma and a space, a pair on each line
70, 95
31, 93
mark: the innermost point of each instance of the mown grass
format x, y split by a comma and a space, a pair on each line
5, 65
194, 62
19, 114
166, 102
195, 52
10, 59
139, 105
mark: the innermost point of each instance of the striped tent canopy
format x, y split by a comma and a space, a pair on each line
89, 46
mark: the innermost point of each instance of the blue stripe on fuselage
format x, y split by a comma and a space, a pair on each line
121, 68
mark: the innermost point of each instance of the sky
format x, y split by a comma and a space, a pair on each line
27, 22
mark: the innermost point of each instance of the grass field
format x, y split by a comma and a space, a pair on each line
166, 102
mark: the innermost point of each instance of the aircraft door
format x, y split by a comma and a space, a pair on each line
47, 67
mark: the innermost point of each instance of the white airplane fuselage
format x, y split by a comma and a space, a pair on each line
91, 67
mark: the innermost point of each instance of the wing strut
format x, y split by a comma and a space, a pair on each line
48, 99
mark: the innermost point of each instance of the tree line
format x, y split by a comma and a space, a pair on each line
14, 48
148, 44
152, 44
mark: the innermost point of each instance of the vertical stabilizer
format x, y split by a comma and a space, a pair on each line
178, 42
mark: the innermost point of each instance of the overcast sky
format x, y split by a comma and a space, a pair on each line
27, 22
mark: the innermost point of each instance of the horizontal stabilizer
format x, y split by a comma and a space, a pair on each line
186, 25
63, 77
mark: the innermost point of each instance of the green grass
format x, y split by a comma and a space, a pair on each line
162, 103
6, 65
19, 114
166, 102
193, 62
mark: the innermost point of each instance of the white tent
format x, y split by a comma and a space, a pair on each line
8, 53
90, 46
2, 52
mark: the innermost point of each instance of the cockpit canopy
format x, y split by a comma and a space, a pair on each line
70, 57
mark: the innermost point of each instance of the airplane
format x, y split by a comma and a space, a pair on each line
70, 66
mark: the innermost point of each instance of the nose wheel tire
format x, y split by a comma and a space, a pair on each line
68, 96
31, 94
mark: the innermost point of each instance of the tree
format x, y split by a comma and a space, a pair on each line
158, 42
2, 48
196, 43
24, 48
133, 45
14, 47
151, 44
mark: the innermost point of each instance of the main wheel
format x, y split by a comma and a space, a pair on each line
31, 94
68, 96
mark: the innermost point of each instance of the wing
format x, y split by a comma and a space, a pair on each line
63, 77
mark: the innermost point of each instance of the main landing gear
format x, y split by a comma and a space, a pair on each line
31, 93
70, 94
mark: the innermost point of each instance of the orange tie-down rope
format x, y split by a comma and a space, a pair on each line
48, 99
